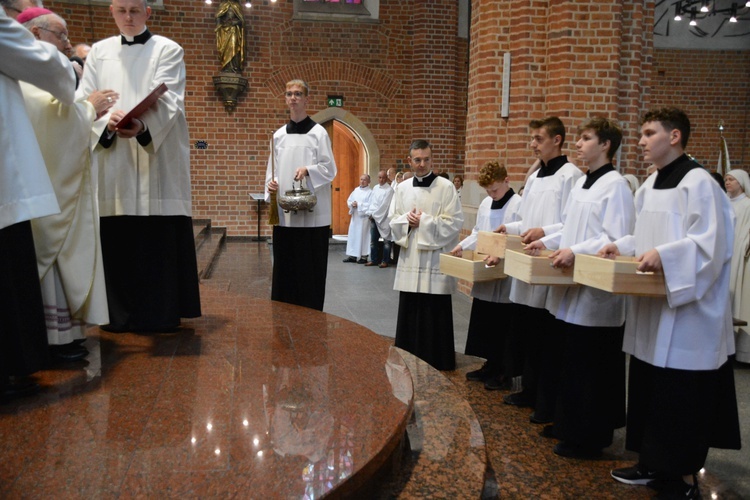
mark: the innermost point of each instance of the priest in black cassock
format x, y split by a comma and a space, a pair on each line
426, 219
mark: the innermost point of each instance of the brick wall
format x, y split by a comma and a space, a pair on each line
403, 77
409, 75
709, 86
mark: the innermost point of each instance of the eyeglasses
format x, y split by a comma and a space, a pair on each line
294, 94
59, 34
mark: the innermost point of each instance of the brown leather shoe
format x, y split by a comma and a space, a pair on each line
371, 263
383, 265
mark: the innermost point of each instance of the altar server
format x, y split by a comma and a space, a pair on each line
491, 306
591, 402
143, 174
377, 212
301, 154
426, 218
681, 396
545, 195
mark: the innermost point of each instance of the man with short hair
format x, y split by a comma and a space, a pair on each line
377, 212
358, 236
426, 219
545, 195
301, 153
144, 178
591, 401
681, 395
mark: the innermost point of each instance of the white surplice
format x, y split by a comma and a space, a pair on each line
543, 201
313, 151
488, 220
592, 218
132, 179
442, 219
691, 226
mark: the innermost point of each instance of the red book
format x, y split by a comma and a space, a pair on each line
143, 106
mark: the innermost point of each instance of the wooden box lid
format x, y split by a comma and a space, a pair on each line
470, 267
618, 276
536, 270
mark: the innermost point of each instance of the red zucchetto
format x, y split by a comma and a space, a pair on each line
32, 13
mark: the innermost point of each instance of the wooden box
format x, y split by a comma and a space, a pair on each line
496, 244
618, 276
470, 267
536, 270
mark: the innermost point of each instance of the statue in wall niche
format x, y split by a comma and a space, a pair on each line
230, 36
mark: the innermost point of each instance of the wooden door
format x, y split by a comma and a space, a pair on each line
348, 153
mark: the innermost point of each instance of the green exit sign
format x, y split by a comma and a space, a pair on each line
335, 101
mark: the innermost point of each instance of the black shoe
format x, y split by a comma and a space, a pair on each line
540, 418
677, 489
637, 474
549, 432
68, 352
497, 383
350, 259
18, 387
570, 450
484, 373
362, 261
520, 399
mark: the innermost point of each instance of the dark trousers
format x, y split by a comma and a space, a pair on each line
379, 250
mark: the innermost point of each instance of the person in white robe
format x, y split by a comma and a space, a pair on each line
681, 395
491, 306
67, 244
536, 333
738, 183
358, 236
380, 228
142, 176
25, 193
301, 153
600, 210
426, 219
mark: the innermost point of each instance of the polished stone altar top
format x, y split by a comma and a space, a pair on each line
256, 399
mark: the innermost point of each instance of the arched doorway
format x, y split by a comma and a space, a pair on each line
355, 152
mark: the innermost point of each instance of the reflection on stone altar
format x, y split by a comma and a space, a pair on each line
257, 396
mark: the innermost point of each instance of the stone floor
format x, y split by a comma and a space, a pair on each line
524, 464
240, 401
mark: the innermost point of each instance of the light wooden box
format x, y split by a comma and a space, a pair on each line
536, 270
496, 244
470, 267
618, 276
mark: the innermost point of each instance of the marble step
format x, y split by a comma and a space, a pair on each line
208, 243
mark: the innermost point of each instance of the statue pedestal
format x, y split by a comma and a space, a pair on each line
231, 85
